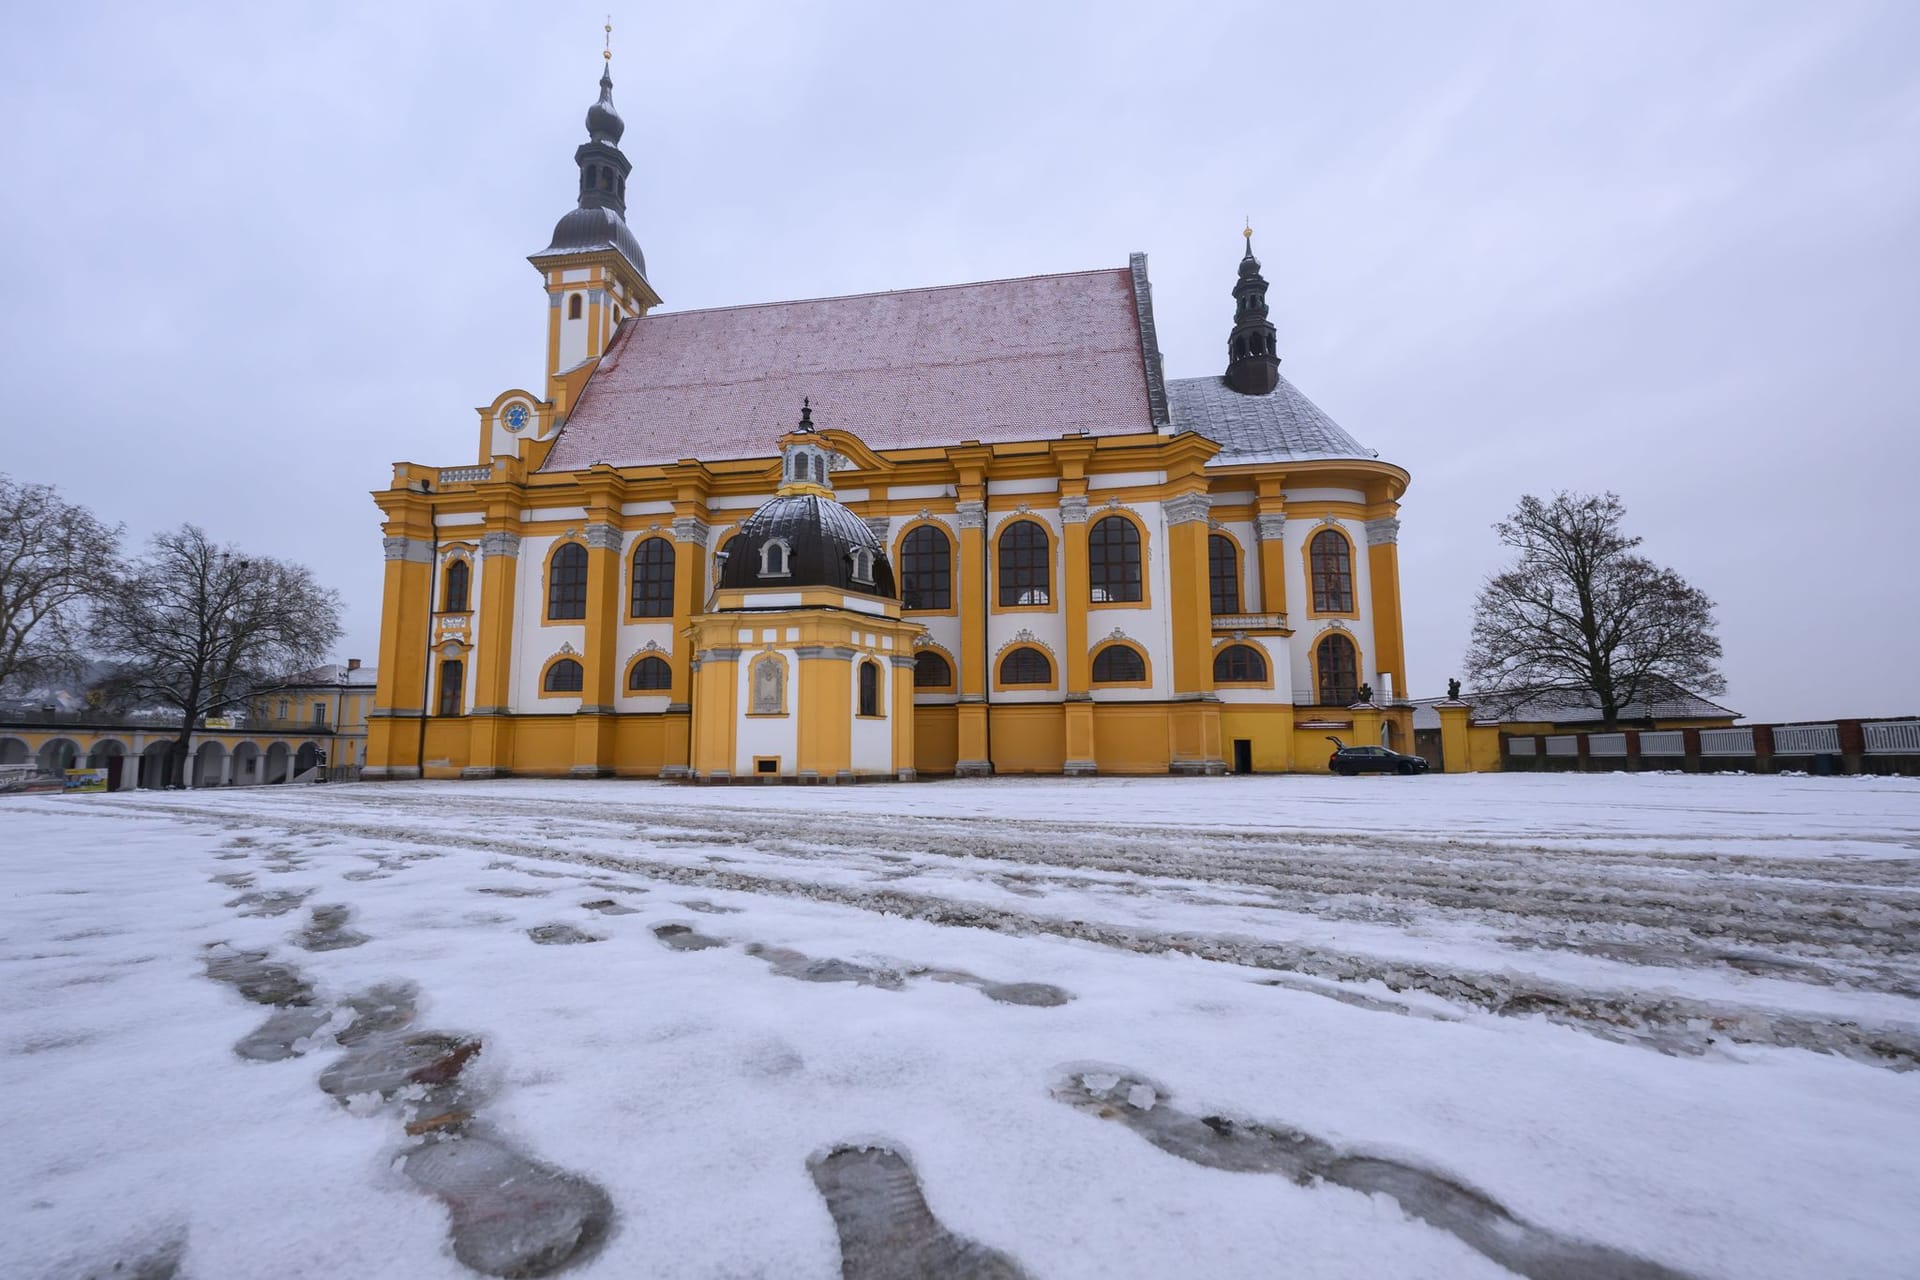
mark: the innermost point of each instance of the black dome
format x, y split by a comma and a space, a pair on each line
603, 122
821, 537
598, 228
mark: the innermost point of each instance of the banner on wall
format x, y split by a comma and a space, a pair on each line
86, 780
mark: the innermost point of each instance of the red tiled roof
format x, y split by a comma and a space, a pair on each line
1029, 359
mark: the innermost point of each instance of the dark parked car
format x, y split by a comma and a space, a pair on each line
1351, 760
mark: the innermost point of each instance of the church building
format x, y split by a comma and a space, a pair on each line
964, 529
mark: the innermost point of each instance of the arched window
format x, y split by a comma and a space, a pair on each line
1026, 665
819, 469
650, 675
565, 676
606, 179
1119, 664
573, 306
1338, 668
1223, 573
452, 676
457, 581
1025, 554
567, 583
1332, 572
931, 671
863, 565
869, 688
1239, 664
593, 176
926, 569
1113, 560
653, 579
773, 558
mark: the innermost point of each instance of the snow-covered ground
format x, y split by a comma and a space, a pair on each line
1552, 1026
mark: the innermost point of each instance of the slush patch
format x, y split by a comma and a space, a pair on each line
561, 935
1237, 1146
512, 1215
328, 931
886, 1230
682, 938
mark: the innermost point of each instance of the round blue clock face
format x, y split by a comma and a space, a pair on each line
516, 416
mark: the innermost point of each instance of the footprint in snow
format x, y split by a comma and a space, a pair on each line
886, 1230
1238, 1146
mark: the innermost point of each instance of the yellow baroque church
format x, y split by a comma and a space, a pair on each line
966, 529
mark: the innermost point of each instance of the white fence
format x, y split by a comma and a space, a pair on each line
1806, 739
1893, 737
1726, 742
1666, 742
1607, 744
1565, 745
1521, 746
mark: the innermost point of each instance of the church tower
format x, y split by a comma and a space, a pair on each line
595, 273
1253, 363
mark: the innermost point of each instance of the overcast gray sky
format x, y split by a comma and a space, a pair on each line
253, 254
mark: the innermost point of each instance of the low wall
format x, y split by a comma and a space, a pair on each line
1821, 747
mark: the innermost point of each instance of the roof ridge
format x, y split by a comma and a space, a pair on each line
889, 293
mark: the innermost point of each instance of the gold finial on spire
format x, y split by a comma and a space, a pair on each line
607, 52
1248, 233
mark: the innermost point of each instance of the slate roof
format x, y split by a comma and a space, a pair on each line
821, 535
1005, 360
1276, 427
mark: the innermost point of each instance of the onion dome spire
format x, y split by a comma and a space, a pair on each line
1253, 363
603, 122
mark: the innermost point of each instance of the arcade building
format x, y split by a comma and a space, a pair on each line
964, 529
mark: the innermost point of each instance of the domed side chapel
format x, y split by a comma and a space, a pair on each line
1010, 543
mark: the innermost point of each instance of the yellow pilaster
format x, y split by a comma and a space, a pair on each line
1269, 525
393, 730
490, 747
1366, 725
974, 756
825, 706
901, 709
1383, 573
593, 729
1195, 728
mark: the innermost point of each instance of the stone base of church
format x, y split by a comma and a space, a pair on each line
589, 771
973, 769
1197, 768
1081, 768
481, 772
389, 773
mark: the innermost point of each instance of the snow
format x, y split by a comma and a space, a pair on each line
1665, 1016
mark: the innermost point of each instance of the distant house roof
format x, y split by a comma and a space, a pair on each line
1007, 360
1570, 707
1280, 426
334, 674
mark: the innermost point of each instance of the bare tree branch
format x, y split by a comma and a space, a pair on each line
202, 628
1580, 612
53, 553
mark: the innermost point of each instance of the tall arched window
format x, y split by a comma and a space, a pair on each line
1332, 572
1223, 573
567, 583
1026, 665
773, 558
573, 306
862, 558
650, 675
1239, 664
926, 569
931, 671
457, 579
1338, 668
452, 676
1113, 560
652, 595
1025, 554
565, 676
869, 688
1118, 664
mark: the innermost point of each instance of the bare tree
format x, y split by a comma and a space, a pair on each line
52, 555
1581, 613
202, 628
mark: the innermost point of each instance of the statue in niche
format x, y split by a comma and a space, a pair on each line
769, 687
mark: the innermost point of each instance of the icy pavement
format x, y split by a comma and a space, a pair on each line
1600, 1027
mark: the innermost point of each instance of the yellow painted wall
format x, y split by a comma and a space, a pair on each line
1269, 728
1131, 738
1028, 738
936, 739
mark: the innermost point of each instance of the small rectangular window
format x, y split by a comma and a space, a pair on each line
319, 713
766, 764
